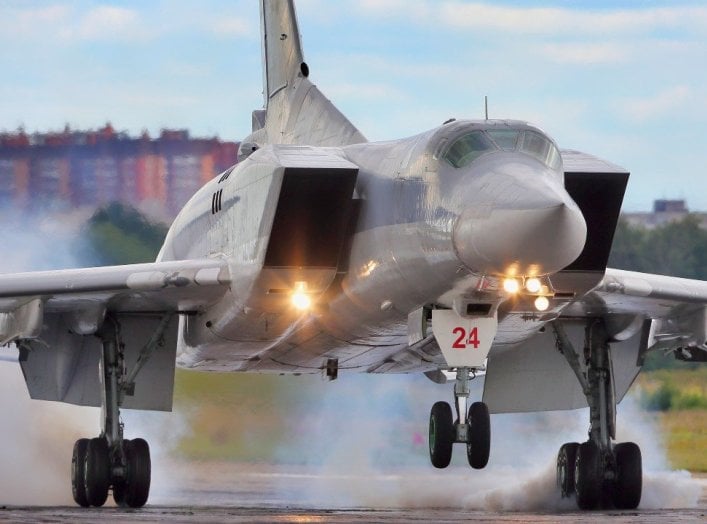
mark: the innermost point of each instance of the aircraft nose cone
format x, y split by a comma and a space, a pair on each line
539, 239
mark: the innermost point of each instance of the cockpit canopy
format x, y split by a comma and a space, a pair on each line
470, 146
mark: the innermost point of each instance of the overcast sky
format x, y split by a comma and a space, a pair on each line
623, 80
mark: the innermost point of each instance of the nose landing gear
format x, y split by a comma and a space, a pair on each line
472, 428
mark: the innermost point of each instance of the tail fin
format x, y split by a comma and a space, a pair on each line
282, 48
297, 112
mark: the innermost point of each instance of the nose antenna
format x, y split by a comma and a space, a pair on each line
486, 106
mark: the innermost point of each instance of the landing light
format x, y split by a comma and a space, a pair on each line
542, 303
533, 285
511, 285
300, 299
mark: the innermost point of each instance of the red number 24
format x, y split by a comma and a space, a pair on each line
473, 339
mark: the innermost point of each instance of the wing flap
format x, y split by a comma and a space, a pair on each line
24, 321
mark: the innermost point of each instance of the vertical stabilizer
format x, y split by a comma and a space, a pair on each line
282, 48
296, 111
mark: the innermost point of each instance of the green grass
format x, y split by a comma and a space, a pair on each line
674, 389
686, 438
237, 416
680, 397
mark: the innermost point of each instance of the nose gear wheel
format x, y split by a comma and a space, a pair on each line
472, 428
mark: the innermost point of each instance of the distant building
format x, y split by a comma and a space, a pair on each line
79, 169
664, 212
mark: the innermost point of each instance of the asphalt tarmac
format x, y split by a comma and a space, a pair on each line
217, 492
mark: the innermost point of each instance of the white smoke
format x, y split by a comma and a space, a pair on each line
364, 444
37, 437
36, 443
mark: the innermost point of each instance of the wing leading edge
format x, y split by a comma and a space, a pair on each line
52, 316
673, 310
180, 286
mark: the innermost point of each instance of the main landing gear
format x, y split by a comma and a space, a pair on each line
472, 428
598, 472
110, 461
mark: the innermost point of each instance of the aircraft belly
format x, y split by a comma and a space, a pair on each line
517, 327
305, 352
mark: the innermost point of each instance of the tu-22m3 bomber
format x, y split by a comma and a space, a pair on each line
477, 247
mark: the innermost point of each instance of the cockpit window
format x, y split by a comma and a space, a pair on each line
467, 148
538, 146
506, 139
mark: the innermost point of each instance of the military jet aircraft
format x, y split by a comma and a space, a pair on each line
475, 247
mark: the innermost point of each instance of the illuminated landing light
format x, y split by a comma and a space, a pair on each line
511, 285
300, 299
542, 303
533, 285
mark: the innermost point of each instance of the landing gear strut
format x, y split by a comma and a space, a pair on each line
471, 427
599, 472
110, 461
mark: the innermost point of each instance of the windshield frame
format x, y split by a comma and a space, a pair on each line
478, 143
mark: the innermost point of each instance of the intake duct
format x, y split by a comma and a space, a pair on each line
313, 212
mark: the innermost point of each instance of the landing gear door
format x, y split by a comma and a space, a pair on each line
465, 341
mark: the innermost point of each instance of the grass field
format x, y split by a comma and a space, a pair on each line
686, 437
234, 416
244, 417
679, 398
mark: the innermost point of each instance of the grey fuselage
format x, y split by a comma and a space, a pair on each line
426, 233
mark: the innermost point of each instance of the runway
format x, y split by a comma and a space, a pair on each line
218, 492
236, 514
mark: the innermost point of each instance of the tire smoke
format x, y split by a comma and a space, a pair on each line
37, 437
365, 445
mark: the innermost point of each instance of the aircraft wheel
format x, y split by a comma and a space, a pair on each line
97, 471
588, 476
441, 434
478, 445
78, 459
629, 478
566, 459
119, 486
135, 489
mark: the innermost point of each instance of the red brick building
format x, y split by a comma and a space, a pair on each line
75, 169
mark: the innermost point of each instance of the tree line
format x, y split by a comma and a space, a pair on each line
677, 248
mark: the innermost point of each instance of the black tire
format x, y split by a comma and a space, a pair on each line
566, 459
97, 471
136, 489
441, 434
478, 445
119, 486
78, 459
629, 476
588, 476
119, 494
